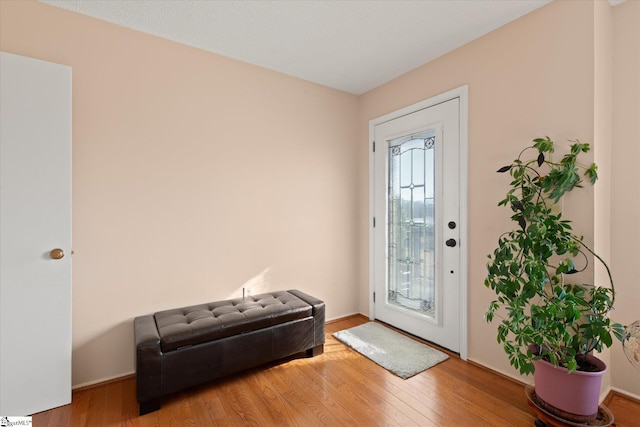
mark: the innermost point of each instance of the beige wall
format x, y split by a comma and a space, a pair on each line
193, 174
531, 78
625, 195
548, 73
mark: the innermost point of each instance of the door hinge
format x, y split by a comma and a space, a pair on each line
374, 221
374, 297
374, 146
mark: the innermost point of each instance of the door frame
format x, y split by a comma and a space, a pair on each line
462, 93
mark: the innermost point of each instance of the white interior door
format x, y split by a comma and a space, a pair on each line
35, 218
416, 238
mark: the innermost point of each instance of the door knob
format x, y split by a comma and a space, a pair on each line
451, 243
56, 253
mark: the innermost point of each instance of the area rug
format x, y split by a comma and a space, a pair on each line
393, 351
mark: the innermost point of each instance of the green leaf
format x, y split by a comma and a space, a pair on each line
592, 173
544, 144
517, 206
618, 331
522, 223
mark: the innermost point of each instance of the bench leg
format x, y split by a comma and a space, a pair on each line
315, 351
150, 406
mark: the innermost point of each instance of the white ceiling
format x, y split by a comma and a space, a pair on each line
352, 46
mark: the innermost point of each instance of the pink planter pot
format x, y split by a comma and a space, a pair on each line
576, 394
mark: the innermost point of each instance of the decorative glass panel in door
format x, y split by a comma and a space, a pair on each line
411, 227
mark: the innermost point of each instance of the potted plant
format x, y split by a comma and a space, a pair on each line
549, 324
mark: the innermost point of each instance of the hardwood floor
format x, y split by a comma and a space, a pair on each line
338, 388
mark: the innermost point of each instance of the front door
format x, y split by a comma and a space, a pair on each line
416, 238
35, 235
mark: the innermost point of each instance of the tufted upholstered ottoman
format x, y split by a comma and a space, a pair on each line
184, 347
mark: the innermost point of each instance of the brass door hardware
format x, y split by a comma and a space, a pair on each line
56, 253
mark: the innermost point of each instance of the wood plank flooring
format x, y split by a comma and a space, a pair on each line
338, 388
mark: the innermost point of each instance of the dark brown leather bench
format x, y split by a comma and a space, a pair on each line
184, 347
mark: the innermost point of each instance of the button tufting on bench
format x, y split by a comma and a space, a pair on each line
206, 322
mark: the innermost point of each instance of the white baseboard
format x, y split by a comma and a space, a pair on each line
102, 380
626, 393
344, 316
